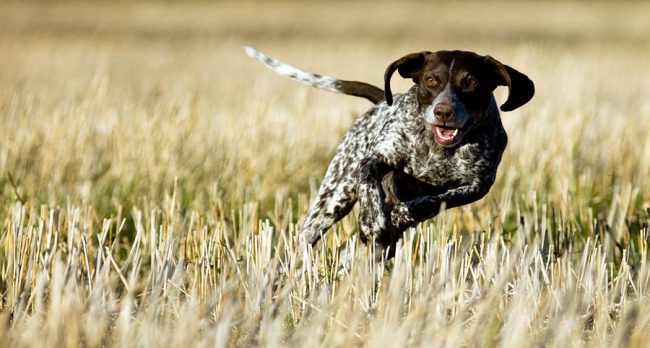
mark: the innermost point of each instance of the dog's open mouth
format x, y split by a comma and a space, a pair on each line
447, 136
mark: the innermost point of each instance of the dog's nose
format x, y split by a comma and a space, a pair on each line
444, 112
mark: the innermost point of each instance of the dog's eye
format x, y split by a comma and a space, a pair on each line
431, 81
470, 82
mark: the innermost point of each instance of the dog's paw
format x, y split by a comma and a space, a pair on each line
400, 216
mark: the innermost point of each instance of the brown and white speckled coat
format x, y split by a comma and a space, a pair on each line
439, 144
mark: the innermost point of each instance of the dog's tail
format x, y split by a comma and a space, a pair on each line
355, 88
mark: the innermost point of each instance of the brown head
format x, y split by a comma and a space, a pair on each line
455, 89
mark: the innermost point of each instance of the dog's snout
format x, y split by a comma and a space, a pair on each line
444, 112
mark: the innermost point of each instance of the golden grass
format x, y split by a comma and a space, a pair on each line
152, 178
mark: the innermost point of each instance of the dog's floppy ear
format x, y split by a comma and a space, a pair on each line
406, 66
520, 88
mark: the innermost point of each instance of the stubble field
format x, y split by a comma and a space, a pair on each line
153, 178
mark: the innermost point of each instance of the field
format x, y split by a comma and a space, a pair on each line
153, 178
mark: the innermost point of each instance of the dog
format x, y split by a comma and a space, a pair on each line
437, 146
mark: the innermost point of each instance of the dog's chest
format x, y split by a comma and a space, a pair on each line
446, 168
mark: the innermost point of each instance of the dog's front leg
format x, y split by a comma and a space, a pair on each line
374, 223
426, 207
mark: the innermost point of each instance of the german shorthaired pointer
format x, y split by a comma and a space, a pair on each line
436, 146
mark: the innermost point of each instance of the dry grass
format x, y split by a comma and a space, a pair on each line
152, 176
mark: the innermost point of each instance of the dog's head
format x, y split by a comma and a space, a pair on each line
455, 89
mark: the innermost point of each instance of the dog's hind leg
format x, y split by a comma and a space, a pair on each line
336, 196
335, 200
338, 191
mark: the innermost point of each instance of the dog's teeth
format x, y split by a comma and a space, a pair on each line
455, 132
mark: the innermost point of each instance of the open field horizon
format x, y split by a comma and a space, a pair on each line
153, 177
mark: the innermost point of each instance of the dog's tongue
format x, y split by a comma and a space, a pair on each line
445, 136
447, 133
